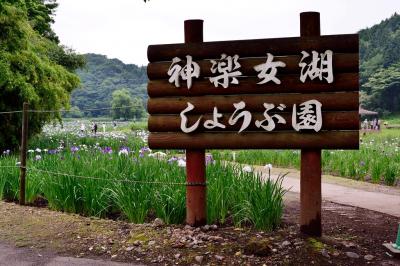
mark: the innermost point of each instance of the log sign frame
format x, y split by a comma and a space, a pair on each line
286, 93
282, 93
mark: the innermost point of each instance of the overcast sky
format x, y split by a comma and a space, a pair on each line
124, 28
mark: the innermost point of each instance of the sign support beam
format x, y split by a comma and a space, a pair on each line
196, 197
310, 175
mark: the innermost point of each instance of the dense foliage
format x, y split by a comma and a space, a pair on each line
112, 174
34, 68
101, 78
126, 107
380, 66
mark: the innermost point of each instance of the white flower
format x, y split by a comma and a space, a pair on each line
268, 166
123, 152
159, 155
38, 157
45, 150
18, 163
181, 163
247, 169
30, 151
38, 150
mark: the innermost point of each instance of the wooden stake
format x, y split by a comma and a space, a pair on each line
196, 207
196, 196
310, 176
24, 143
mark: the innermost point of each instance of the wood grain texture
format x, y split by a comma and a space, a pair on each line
331, 121
341, 63
341, 101
345, 43
290, 83
256, 140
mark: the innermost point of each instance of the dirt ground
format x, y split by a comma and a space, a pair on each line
352, 236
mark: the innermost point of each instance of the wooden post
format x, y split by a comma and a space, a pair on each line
24, 143
310, 172
196, 207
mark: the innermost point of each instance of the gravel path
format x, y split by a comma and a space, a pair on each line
374, 197
10, 256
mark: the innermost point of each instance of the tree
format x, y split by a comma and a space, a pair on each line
74, 112
379, 64
28, 70
137, 108
382, 90
101, 77
126, 107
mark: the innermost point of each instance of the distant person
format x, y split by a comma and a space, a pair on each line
365, 124
114, 124
104, 127
95, 128
379, 124
82, 128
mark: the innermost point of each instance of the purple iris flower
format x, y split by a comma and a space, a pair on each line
145, 149
107, 150
74, 149
172, 159
125, 148
209, 159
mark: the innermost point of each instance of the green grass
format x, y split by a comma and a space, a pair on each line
393, 119
135, 187
378, 158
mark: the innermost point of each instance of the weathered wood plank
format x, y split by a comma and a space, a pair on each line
289, 84
341, 63
256, 140
331, 121
345, 43
340, 101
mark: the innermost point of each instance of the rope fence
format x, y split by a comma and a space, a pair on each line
66, 111
105, 179
24, 139
10, 166
11, 112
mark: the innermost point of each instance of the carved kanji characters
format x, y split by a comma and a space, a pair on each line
227, 67
188, 72
308, 117
268, 70
320, 66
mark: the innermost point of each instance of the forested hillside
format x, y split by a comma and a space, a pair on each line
379, 74
101, 77
380, 66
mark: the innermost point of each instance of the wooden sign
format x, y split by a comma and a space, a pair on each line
284, 93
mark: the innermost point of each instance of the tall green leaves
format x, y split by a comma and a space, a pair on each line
29, 70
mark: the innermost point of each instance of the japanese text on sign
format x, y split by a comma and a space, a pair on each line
307, 116
227, 69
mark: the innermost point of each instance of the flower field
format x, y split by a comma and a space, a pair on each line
114, 174
377, 161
